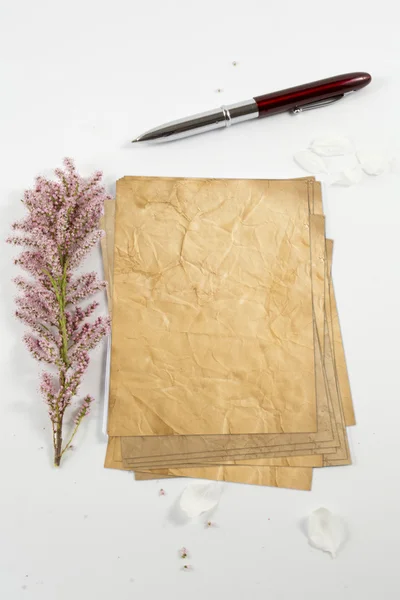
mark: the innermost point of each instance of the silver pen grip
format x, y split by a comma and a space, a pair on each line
202, 122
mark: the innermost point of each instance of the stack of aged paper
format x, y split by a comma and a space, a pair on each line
227, 359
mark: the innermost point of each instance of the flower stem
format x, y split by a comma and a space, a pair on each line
60, 289
67, 445
58, 444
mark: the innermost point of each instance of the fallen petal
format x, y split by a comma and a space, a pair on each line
197, 499
331, 145
326, 531
330, 178
372, 162
337, 164
310, 162
349, 176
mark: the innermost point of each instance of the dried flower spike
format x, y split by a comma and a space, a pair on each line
183, 553
60, 230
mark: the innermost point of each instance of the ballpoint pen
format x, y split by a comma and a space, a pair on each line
295, 100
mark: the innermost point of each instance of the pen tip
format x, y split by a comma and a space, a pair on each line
136, 140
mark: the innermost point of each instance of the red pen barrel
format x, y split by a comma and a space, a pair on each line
296, 97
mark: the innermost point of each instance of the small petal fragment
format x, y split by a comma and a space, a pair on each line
331, 145
326, 531
349, 177
372, 162
310, 162
197, 499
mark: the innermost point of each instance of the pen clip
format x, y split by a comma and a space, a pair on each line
317, 104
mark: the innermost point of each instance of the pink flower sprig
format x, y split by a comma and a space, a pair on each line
61, 229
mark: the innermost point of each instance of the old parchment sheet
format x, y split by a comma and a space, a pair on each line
193, 259
286, 462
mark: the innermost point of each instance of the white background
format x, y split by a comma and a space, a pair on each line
81, 79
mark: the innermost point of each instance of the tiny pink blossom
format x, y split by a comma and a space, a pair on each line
210, 524
183, 552
60, 230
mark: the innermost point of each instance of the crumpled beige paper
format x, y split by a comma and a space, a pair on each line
337, 416
212, 311
286, 462
108, 265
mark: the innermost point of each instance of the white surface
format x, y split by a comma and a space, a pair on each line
82, 79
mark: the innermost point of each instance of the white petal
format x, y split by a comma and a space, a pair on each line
310, 162
197, 498
337, 164
349, 176
331, 145
326, 531
372, 161
330, 179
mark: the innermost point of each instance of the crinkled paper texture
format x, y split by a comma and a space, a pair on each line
212, 324
292, 477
